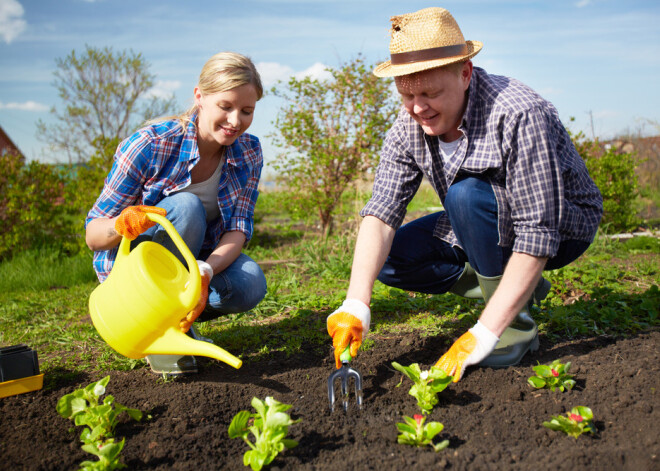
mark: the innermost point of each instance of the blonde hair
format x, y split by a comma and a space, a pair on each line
224, 71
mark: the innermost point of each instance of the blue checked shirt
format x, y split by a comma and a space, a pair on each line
514, 139
156, 161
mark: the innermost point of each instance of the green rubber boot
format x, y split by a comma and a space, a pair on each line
467, 284
522, 335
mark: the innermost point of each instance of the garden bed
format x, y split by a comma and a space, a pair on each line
492, 417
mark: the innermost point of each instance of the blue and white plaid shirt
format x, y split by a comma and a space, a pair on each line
513, 138
156, 161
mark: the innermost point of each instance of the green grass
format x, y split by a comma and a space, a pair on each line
611, 290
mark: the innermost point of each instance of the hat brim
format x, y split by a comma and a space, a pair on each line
386, 69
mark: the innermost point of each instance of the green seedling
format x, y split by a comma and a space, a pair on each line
269, 426
99, 419
428, 384
575, 423
553, 376
415, 432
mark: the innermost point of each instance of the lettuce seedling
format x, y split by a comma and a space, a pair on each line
415, 432
575, 423
269, 426
99, 419
428, 384
552, 376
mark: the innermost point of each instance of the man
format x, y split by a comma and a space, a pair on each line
517, 196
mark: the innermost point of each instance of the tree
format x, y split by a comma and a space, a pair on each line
331, 131
105, 96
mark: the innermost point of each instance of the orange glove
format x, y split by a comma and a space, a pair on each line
348, 325
470, 348
133, 220
206, 273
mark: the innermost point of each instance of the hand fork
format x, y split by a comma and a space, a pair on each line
345, 373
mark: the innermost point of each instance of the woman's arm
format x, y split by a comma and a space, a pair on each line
100, 234
227, 251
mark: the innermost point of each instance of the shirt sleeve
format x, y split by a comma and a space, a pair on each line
242, 218
123, 184
397, 179
534, 185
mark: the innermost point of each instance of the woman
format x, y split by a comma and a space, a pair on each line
201, 171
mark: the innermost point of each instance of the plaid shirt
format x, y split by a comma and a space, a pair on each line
156, 162
515, 140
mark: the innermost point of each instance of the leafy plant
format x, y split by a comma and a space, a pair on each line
269, 426
575, 423
428, 384
100, 419
415, 432
552, 376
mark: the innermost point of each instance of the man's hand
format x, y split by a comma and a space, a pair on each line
206, 272
133, 220
347, 326
470, 348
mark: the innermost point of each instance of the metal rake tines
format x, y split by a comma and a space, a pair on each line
345, 373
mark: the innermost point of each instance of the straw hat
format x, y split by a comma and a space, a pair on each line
424, 40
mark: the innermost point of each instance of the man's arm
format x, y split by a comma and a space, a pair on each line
521, 275
371, 250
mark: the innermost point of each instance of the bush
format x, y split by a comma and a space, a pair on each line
614, 174
33, 213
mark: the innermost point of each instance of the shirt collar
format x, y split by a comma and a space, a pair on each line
472, 100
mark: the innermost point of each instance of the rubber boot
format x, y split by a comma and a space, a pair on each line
522, 335
467, 284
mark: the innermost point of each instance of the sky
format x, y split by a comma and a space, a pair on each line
597, 61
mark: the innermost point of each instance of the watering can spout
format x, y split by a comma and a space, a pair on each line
174, 342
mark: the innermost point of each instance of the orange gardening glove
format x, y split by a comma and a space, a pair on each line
347, 326
133, 220
206, 273
470, 348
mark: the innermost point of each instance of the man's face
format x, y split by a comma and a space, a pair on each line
436, 99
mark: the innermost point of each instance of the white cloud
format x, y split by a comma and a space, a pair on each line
317, 71
164, 88
26, 106
271, 72
583, 3
11, 20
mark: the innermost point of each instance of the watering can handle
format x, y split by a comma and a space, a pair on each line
193, 287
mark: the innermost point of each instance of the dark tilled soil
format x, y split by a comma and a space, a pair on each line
492, 417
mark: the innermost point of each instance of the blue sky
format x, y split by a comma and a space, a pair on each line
597, 60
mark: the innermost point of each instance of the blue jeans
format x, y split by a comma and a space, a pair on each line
239, 288
423, 263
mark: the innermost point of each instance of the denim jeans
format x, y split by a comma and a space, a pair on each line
239, 288
420, 262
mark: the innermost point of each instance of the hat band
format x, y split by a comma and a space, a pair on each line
428, 54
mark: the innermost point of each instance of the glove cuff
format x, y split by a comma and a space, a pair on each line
486, 340
357, 309
205, 269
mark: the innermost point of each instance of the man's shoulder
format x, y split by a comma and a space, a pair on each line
506, 93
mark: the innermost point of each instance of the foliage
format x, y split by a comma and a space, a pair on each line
331, 131
553, 376
270, 425
100, 419
105, 95
614, 174
427, 384
415, 432
575, 423
32, 210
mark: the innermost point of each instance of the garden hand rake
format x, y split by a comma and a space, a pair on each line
345, 373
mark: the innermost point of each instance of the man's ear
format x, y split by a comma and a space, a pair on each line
466, 74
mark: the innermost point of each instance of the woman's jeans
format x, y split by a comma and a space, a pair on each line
423, 263
239, 288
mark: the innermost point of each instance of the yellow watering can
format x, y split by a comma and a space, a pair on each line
137, 309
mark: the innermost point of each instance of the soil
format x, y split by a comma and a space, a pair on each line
492, 417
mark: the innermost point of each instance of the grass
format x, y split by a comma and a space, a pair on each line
611, 290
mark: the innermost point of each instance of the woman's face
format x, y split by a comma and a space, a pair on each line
224, 116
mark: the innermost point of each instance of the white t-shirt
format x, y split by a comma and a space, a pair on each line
207, 192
